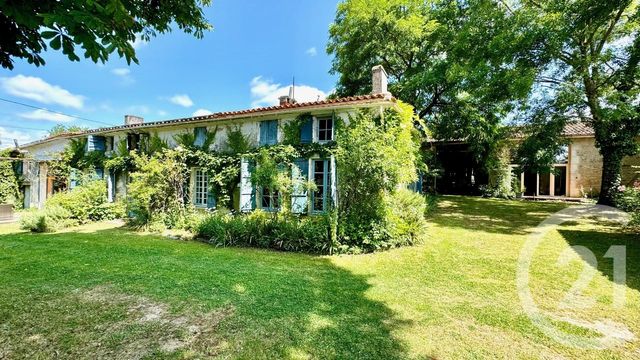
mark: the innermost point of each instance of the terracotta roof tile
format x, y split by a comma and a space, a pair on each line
577, 128
227, 115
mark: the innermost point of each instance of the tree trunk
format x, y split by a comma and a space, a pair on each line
611, 167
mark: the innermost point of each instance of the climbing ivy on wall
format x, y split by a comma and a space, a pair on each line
9, 182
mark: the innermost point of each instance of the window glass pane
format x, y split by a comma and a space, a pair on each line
270, 200
545, 182
325, 129
201, 189
319, 176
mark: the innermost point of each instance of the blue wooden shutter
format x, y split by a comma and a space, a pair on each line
306, 131
273, 132
211, 198
300, 175
247, 191
96, 143
264, 129
200, 135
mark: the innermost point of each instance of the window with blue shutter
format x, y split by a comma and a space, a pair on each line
300, 176
306, 131
320, 173
247, 190
96, 143
200, 135
268, 132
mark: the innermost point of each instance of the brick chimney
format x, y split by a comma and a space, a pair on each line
133, 120
287, 99
284, 100
379, 81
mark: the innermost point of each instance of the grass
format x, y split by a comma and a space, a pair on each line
99, 291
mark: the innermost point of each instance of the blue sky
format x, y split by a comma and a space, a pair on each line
249, 59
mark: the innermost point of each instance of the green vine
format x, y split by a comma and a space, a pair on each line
292, 129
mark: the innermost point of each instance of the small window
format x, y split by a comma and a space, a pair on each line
201, 188
270, 199
133, 141
325, 129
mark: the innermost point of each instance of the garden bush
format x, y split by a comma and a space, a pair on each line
628, 200
405, 217
49, 219
87, 202
375, 156
266, 230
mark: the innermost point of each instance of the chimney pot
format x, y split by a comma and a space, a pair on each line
133, 120
284, 100
379, 81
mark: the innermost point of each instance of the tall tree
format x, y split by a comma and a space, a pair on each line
463, 65
65, 129
466, 66
593, 74
100, 27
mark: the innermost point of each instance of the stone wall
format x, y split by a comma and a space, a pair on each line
630, 170
585, 168
585, 164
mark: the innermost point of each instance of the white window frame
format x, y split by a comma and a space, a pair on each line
200, 195
316, 128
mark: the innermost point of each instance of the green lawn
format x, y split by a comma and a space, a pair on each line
99, 291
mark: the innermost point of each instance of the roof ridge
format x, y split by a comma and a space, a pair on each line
223, 114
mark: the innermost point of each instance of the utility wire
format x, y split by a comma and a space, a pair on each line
21, 127
55, 112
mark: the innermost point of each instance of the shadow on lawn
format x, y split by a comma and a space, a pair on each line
285, 305
599, 243
492, 215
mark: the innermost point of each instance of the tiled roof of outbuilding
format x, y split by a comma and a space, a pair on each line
577, 128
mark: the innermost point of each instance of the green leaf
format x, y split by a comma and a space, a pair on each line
49, 34
56, 42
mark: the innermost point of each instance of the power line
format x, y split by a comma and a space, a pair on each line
54, 112
21, 127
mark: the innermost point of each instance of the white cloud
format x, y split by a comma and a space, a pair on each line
162, 113
34, 88
46, 116
124, 75
266, 93
202, 112
182, 100
23, 137
121, 71
312, 51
